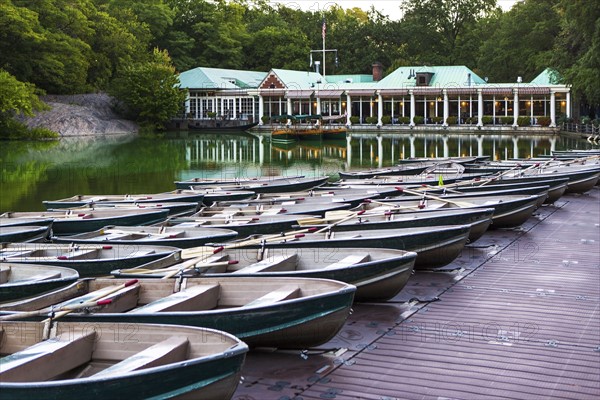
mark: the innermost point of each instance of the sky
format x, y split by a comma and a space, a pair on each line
386, 7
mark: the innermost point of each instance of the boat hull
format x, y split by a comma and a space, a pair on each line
23, 287
24, 233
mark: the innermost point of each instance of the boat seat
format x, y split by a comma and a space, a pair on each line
350, 260
122, 300
139, 253
283, 293
79, 254
4, 273
215, 259
42, 276
194, 298
173, 349
49, 358
285, 262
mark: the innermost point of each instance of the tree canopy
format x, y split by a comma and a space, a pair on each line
64, 47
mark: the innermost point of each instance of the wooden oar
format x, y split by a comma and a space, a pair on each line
191, 263
64, 310
203, 266
432, 197
349, 217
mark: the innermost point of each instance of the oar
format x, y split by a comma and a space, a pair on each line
349, 217
178, 268
429, 196
191, 263
64, 310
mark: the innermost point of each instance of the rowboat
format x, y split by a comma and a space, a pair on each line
478, 219
270, 209
275, 312
200, 183
378, 274
395, 180
24, 280
372, 173
173, 208
181, 236
71, 222
438, 160
509, 211
7, 219
213, 195
281, 199
24, 233
87, 260
77, 360
266, 186
435, 246
244, 225
92, 199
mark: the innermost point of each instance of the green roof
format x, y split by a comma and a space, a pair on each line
298, 80
443, 76
356, 78
218, 78
548, 76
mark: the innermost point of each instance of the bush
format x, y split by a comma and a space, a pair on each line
419, 119
404, 120
212, 114
354, 120
386, 120
451, 120
506, 120
544, 121
524, 121
436, 120
487, 120
265, 118
371, 120
12, 129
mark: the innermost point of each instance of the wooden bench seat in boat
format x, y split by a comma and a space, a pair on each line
283, 293
285, 262
350, 260
122, 300
4, 273
194, 298
173, 349
49, 358
79, 254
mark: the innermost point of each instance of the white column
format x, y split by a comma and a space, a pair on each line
412, 109
379, 109
552, 110
494, 110
289, 107
446, 108
261, 110
425, 109
479, 108
516, 108
531, 111
318, 106
223, 105
568, 104
348, 109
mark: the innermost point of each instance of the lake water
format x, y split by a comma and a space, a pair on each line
36, 171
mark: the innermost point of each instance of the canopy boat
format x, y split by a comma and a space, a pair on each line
244, 225
435, 246
275, 186
372, 173
221, 124
270, 209
77, 360
202, 183
274, 312
509, 211
24, 280
180, 236
378, 274
24, 233
87, 260
307, 127
67, 222
478, 219
91, 199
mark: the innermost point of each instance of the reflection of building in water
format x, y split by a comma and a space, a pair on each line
357, 151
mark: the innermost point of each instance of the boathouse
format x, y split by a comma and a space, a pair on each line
431, 95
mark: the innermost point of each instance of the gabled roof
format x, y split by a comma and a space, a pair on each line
443, 76
297, 80
548, 76
218, 78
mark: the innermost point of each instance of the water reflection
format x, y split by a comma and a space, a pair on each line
34, 171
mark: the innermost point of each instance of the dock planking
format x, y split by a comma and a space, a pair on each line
515, 316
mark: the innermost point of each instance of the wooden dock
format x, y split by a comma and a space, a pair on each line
516, 316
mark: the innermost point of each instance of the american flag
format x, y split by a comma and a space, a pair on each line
324, 28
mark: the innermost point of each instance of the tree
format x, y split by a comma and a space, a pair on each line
17, 97
521, 41
149, 90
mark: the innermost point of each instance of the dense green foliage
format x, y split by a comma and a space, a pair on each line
65, 47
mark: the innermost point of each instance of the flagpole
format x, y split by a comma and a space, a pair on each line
323, 34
